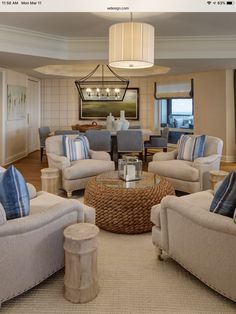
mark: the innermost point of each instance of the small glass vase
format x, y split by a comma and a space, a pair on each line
130, 168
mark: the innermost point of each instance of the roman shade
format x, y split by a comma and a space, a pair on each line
181, 89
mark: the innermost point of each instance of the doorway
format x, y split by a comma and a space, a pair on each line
33, 116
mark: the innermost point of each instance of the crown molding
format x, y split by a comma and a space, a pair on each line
22, 41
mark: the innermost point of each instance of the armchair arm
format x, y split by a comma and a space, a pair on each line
165, 156
198, 162
81, 212
99, 155
198, 215
59, 162
204, 165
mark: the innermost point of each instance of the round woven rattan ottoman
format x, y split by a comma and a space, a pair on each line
124, 207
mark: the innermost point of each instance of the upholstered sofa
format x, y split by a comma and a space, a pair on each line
189, 176
75, 174
201, 241
32, 246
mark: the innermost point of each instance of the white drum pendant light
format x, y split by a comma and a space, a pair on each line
131, 45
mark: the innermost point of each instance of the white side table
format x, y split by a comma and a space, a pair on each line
50, 180
216, 176
81, 279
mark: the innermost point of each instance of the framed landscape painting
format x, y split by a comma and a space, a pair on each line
100, 110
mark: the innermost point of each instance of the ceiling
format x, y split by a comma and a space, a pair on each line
96, 25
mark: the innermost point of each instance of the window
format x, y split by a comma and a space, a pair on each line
177, 113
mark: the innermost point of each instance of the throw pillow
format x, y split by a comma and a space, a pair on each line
224, 201
75, 148
191, 147
14, 194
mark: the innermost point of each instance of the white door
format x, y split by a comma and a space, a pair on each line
33, 101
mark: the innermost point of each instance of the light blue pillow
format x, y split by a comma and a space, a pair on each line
14, 194
191, 147
75, 148
224, 201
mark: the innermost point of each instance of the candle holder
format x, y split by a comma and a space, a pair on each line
130, 168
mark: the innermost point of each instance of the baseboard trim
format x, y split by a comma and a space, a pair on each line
15, 158
228, 158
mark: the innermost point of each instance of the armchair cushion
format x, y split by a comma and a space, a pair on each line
75, 148
87, 168
224, 201
14, 194
177, 169
191, 147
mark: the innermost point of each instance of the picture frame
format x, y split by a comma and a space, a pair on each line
96, 110
16, 102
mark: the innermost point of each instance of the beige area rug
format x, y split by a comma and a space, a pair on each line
132, 281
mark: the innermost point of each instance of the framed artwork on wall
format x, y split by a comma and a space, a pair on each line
100, 110
16, 102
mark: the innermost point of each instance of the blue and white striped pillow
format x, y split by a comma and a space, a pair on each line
191, 147
14, 194
224, 201
75, 148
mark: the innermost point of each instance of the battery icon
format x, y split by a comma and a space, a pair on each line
229, 3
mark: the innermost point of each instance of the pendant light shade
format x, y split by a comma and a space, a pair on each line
131, 45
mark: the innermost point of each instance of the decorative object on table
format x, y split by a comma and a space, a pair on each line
100, 110
130, 168
84, 127
135, 42
109, 123
125, 206
217, 176
50, 180
16, 102
117, 125
125, 123
102, 86
81, 279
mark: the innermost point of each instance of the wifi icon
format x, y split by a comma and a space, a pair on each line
209, 2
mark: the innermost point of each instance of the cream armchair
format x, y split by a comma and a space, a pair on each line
188, 176
32, 246
201, 241
75, 174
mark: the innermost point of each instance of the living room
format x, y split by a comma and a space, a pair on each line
189, 269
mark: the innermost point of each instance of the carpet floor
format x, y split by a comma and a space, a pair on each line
132, 281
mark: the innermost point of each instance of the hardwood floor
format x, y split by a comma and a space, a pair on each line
30, 167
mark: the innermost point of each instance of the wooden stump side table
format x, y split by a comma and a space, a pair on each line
80, 245
50, 180
216, 176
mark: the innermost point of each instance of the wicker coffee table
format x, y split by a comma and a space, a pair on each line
124, 207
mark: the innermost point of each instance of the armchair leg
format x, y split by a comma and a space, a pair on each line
69, 194
165, 149
159, 254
